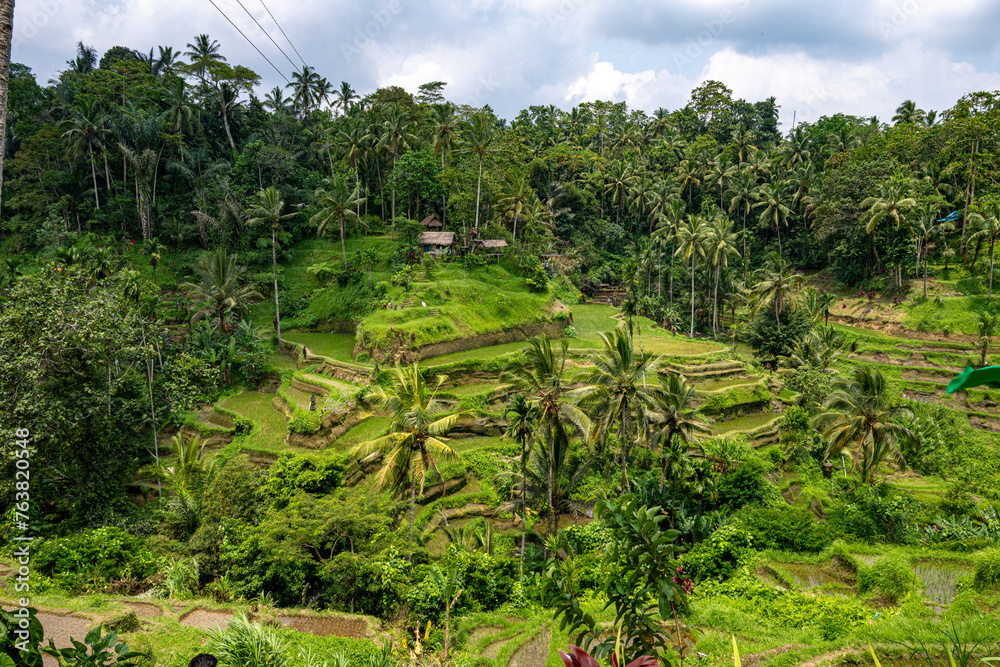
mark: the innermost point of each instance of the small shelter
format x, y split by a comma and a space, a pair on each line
432, 224
493, 248
437, 243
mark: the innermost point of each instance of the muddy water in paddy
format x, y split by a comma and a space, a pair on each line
205, 619
325, 626
59, 629
534, 652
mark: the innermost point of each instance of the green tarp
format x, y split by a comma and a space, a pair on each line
988, 376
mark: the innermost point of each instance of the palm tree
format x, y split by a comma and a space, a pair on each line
305, 85
672, 415
179, 113
220, 283
203, 52
891, 202
926, 228
988, 223
796, 151
773, 200
691, 237
167, 62
516, 200
743, 140
83, 133
778, 285
908, 113
268, 210
416, 436
336, 200
687, 179
616, 392
742, 188
397, 137
444, 125
858, 415
720, 241
478, 134
345, 97
540, 376
276, 100
721, 175
522, 420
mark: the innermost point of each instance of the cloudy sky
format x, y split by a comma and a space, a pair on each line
816, 57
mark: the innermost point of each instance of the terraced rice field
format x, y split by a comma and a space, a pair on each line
478, 354
271, 428
333, 345
370, 428
744, 423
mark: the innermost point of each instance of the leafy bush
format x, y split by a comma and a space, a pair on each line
594, 536
889, 577
248, 645
785, 528
538, 281
718, 557
304, 472
768, 341
571, 332
373, 586
876, 513
104, 555
745, 485
987, 575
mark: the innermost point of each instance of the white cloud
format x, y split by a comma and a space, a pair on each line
646, 89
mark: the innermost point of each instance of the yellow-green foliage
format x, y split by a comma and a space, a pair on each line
987, 576
890, 577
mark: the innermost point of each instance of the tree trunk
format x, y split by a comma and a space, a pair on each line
990, 297
274, 268
225, 121
93, 172
778, 228
553, 524
691, 335
413, 504
343, 233
479, 183
6, 35
715, 305
746, 262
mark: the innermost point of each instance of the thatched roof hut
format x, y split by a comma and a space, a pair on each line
437, 242
431, 222
492, 244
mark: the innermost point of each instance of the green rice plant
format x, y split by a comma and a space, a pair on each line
987, 574
890, 577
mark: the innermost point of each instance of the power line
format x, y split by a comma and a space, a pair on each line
248, 39
292, 63
283, 33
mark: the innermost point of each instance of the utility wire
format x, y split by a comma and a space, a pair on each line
249, 40
290, 61
283, 33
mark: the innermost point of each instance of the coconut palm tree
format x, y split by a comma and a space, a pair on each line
83, 134
891, 203
540, 375
444, 124
778, 285
219, 282
672, 417
179, 113
986, 326
478, 134
691, 245
522, 422
720, 245
742, 188
908, 113
268, 210
336, 200
345, 96
276, 100
203, 53
397, 137
988, 224
774, 202
688, 179
305, 86
416, 438
617, 392
720, 175
859, 415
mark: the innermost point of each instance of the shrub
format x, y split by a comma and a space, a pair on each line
785, 528
304, 472
745, 485
102, 555
889, 577
987, 575
720, 555
571, 332
373, 586
248, 644
875, 513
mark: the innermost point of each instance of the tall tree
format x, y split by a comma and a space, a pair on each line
691, 245
478, 134
778, 285
221, 284
617, 392
269, 210
540, 375
83, 133
988, 227
774, 202
336, 200
415, 441
859, 416
673, 417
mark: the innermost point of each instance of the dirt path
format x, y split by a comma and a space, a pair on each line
827, 658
